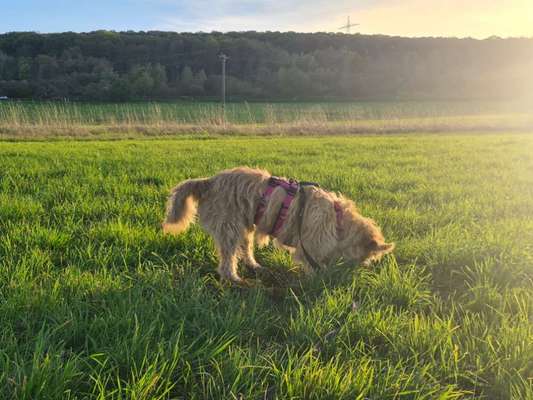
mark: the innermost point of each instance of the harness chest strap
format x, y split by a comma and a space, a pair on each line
291, 189
338, 214
272, 184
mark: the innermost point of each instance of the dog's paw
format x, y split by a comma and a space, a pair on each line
254, 266
242, 283
233, 281
307, 270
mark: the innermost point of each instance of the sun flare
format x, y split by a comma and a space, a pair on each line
477, 18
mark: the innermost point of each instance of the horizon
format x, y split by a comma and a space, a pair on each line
492, 37
478, 19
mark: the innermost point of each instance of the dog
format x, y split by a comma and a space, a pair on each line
240, 206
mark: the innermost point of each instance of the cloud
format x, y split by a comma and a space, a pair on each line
234, 15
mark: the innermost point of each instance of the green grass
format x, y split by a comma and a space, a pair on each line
95, 303
45, 119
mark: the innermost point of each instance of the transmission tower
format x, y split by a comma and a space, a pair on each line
347, 26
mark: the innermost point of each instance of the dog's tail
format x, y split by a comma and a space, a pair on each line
181, 205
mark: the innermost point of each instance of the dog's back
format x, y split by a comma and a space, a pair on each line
231, 194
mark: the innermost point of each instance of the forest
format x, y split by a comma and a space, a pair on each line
273, 66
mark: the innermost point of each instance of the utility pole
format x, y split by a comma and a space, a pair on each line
223, 58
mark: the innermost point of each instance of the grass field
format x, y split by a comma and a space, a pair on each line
45, 119
95, 303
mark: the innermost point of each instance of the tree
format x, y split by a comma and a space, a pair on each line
159, 77
186, 80
24, 68
47, 67
120, 90
199, 82
142, 83
292, 82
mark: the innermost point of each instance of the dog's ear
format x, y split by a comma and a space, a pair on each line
372, 245
386, 248
383, 248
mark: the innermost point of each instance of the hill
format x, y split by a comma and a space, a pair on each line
108, 65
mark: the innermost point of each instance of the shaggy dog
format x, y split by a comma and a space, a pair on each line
318, 229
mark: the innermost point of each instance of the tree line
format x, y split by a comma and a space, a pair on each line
119, 66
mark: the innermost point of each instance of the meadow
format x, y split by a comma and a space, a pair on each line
21, 119
95, 303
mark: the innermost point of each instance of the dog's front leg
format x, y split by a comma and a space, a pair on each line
300, 259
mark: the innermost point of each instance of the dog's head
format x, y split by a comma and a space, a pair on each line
360, 240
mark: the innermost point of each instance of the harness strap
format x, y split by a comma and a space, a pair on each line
291, 187
338, 214
301, 206
272, 184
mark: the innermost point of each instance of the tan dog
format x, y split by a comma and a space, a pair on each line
329, 227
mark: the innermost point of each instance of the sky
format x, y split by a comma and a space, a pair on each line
413, 18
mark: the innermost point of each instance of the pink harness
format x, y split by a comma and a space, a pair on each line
291, 187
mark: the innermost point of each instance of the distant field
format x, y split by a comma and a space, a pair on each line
46, 119
95, 303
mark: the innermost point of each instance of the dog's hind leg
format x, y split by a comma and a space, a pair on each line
228, 246
247, 248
